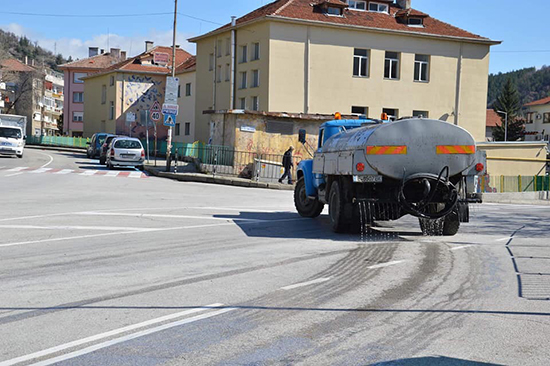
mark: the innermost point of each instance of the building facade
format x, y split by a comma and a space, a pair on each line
360, 57
119, 99
185, 122
73, 111
537, 120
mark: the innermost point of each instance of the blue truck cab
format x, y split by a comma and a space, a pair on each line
326, 131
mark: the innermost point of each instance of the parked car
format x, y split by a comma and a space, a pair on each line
125, 151
105, 148
95, 144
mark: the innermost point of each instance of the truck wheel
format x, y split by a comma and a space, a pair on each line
305, 206
451, 224
447, 226
336, 209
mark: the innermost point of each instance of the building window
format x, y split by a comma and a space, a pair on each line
187, 128
228, 46
242, 103
77, 76
244, 54
227, 72
219, 74
103, 94
211, 62
112, 110
361, 62
363, 111
243, 84
546, 118
219, 47
529, 117
112, 80
334, 11
357, 4
391, 65
415, 22
393, 114
255, 103
78, 116
377, 7
255, 78
78, 97
421, 68
177, 129
188, 89
421, 114
179, 91
255, 51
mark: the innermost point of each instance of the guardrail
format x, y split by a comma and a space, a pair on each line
512, 184
62, 141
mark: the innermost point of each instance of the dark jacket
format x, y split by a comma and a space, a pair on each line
287, 159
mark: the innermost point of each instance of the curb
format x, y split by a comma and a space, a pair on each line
57, 148
228, 181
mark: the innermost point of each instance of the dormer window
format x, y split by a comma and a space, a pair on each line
415, 22
357, 4
334, 11
378, 7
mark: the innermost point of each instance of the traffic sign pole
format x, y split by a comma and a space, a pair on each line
170, 130
147, 133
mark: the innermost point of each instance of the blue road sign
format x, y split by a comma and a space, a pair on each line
170, 120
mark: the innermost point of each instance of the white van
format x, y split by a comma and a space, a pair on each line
12, 141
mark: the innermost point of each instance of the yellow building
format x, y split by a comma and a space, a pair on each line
360, 57
119, 98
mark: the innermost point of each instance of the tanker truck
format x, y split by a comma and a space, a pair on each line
375, 170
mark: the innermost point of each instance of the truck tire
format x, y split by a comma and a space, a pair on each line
451, 224
336, 206
447, 226
305, 206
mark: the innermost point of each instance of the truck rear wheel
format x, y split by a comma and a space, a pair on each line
336, 209
447, 226
306, 206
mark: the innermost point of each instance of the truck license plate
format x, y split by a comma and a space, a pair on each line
367, 178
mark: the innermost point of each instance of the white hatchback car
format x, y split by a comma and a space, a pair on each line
125, 151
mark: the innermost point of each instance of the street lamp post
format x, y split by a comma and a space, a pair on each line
505, 124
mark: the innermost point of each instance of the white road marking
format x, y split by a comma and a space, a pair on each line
18, 169
282, 210
111, 174
13, 175
64, 171
319, 280
387, 264
111, 333
141, 232
40, 170
99, 228
130, 337
461, 247
503, 239
135, 174
49, 162
164, 216
89, 172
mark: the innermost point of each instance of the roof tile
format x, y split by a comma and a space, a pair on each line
542, 101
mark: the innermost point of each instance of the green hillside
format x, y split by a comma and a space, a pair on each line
532, 84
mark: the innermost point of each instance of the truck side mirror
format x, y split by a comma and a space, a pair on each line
302, 136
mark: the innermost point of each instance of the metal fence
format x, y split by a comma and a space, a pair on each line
224, 160
58, 141
511, 184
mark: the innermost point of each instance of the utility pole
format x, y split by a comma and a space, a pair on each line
170, 129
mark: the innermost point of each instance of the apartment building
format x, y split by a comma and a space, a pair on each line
118, 98
537, 120
52, 102
360, 57
97, 61
185, 123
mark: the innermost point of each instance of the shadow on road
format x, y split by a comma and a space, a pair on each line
433, 361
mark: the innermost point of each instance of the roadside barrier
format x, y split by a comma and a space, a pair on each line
513, 184
62, 141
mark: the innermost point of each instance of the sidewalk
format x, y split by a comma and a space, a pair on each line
518, 198
218, 179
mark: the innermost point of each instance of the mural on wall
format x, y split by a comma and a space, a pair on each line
140, 93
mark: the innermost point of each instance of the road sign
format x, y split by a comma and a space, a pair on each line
155, 112
171, 95
170, 109
170, 120
130, 117
161, 58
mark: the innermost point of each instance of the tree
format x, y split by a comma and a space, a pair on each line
509, 102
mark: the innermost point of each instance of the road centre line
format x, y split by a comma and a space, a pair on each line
99, 228
108, 334
303, 284
141, 232
163, 216
387, 264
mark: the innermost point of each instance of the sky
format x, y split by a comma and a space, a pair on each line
522, 26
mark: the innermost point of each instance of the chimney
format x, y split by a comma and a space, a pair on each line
26, 60
115, 52
177, 46
32, 62
102, 51
148, 46
122, 55
92, 51
404, 4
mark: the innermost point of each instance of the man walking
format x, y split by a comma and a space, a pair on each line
288, 164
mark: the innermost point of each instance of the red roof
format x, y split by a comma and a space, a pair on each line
187, 66
542, 101
303, 10
493, 118
101, 61
13, 64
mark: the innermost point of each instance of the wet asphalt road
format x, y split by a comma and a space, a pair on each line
99, 269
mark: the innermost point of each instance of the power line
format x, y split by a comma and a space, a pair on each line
200, 19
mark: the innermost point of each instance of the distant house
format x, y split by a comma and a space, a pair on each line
492, 120
73, 111
537, 117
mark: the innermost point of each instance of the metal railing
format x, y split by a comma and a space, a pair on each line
512, 184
